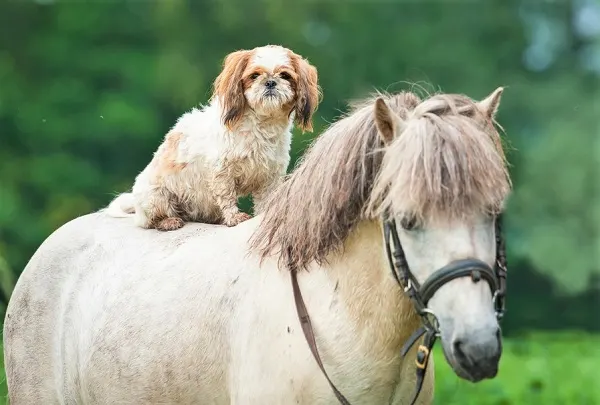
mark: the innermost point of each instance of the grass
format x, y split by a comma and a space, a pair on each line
548, 369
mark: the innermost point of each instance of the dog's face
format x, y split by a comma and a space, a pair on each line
270, 80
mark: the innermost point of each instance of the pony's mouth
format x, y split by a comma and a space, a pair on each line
468, 370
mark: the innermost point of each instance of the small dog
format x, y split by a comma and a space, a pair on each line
238, 144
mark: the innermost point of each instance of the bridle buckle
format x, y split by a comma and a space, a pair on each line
430, 321
422, 357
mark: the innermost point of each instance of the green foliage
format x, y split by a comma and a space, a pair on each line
7, 282
556, 204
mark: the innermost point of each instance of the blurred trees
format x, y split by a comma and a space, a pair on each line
89, 89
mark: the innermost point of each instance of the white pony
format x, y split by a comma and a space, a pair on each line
109, 313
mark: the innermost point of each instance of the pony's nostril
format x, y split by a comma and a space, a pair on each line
458, 349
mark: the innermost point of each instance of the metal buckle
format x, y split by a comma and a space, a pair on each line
430, 321
422, 357
501, 266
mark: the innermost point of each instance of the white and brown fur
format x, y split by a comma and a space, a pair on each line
238, 144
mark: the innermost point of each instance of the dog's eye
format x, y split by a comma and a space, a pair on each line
285, 76
254, 76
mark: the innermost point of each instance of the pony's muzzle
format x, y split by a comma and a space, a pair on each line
475, 339
478, 353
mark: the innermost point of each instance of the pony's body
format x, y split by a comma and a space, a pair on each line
107, 313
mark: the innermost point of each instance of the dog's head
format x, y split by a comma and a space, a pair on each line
270, 80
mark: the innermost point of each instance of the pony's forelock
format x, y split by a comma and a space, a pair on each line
447, 163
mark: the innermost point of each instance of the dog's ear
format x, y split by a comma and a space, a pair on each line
229, 87
308, 92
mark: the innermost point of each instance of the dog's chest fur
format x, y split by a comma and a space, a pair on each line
253, 154
259, 151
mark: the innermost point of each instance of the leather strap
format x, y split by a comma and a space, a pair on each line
309, 335
474, 268
412, 340
422, 360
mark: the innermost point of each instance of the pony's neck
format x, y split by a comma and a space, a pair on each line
383, 315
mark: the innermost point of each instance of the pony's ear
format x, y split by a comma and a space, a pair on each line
489, 105
229, 87
387, 121
308, 92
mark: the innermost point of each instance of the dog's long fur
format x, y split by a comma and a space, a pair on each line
237, 145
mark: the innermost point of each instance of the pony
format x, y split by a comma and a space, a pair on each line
109, 313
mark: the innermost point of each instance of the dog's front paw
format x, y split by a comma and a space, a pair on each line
236, 219
169, 224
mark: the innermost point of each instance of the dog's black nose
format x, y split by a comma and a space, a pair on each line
270, 84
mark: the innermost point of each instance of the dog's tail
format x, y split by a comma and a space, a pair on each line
122, 206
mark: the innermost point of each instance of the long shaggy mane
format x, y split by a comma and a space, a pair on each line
448, 161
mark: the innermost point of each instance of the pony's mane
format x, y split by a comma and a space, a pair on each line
447, 161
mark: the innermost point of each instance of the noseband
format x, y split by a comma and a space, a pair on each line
420, 296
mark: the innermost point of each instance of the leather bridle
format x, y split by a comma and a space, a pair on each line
420, 296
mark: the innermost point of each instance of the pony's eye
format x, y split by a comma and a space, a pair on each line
285, 76
254, 76
409, 223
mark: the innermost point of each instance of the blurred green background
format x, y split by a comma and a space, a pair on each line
89, 88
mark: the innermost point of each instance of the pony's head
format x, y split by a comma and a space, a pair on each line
443, 180
434, 168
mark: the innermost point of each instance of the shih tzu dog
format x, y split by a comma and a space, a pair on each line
238, 144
